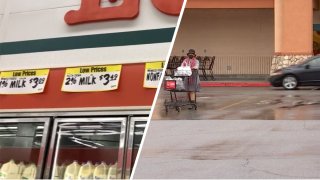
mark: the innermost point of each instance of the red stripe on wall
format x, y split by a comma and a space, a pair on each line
130, 93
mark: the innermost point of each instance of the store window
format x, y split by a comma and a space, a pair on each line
316, 39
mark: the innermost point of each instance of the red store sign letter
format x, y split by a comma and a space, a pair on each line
91, 11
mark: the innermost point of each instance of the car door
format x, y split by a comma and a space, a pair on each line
311, 74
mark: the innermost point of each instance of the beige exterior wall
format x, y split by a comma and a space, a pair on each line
241, 39
226, 32
230, 4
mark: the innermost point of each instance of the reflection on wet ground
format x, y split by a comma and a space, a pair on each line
234, 103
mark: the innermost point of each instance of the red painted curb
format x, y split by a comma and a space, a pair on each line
235, 84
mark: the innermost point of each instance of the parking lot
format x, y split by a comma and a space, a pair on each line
250, 103
230, 149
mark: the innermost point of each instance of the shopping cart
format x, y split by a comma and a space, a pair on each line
180, 82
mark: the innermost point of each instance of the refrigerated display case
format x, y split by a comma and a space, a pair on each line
23, 147
89, 148
75, 145
137, 127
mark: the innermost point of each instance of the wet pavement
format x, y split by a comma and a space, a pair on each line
230, 149
251, 103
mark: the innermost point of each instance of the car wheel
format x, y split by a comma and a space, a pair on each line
290, 82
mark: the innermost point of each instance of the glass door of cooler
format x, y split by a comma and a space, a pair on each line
90, 148
22, 147
136, 132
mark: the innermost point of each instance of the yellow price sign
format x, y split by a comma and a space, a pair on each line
153, 73
23, 81
92, 78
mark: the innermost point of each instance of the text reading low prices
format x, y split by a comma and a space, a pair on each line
92, 78
153, 73
23, 81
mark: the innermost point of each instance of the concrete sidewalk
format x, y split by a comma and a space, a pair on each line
235, 84
230, 149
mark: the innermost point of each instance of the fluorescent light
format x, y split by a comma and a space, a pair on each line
76, 141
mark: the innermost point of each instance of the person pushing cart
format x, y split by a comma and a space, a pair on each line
185, 79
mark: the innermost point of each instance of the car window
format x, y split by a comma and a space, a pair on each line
315, 63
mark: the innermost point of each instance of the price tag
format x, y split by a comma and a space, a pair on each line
152, 75
92, 78
23, 81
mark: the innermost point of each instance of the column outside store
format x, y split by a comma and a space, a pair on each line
293, 32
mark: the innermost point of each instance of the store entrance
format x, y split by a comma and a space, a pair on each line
103, 147
316, 27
